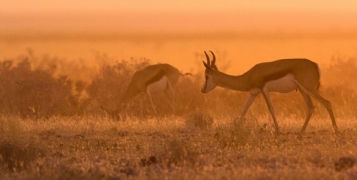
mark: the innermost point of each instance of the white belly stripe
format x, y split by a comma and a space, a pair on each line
282, 85
158, 86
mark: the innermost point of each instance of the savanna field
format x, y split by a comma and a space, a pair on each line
52, 127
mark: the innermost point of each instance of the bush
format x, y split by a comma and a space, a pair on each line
32, 92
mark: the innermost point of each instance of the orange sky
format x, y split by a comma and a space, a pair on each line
157, 15
40, 6
242, 32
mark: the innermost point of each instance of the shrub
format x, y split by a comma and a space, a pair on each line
31, 92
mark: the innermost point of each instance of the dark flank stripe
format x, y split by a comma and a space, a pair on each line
155, 78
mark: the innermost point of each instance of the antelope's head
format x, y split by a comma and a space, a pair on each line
211, 68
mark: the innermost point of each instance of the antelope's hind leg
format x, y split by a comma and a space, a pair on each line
315, 94
271, 109
310, 110
328, 107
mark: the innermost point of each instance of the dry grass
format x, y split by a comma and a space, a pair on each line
199, 120
99, 148
55, 133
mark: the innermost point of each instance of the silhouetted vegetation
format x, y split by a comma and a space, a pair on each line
39, 91
30, 92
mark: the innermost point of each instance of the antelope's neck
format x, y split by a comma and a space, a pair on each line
238, 83
128, 95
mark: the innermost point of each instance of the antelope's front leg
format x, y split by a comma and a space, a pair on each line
171, 95
247, 105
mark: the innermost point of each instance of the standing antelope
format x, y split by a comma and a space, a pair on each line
153, 79
282, 76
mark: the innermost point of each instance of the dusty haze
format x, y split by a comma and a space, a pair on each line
60, 61
241, 33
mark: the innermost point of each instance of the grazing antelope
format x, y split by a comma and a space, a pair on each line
153, 79
282, 76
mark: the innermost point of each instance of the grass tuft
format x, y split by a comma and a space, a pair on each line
233, 135
199, 120
16, 157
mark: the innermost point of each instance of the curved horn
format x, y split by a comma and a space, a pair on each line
208, 60
214, 59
